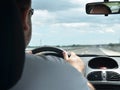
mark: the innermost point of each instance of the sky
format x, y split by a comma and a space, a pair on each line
65, 22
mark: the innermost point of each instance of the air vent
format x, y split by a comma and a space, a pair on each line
112, 76
95, 76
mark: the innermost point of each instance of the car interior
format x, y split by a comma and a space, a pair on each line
103, 71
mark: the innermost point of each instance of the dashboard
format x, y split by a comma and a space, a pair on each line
103, 72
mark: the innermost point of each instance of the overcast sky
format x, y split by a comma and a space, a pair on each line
64, 22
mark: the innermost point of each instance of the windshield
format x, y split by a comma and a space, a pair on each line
65, 24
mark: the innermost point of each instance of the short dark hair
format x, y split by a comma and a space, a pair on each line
103, 5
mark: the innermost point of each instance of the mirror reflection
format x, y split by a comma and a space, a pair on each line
103, 8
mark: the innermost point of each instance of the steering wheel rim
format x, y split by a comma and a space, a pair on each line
48, 50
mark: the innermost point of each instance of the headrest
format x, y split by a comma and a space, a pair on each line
11, 45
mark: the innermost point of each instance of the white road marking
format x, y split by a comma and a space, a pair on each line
109, 52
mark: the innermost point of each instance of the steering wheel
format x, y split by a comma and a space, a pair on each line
48, 50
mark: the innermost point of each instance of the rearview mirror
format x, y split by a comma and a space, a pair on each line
111, 7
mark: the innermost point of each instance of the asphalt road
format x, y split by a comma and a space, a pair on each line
92, 50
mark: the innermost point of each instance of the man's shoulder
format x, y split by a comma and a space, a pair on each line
41, 74
44, 58
48, 62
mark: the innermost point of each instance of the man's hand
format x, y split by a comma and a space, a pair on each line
77, 63
74, 60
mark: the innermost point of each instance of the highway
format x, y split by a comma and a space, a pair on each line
93, 50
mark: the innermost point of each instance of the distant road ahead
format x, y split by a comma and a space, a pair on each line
93, 50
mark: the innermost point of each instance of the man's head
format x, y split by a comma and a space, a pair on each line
100, 9
24, 6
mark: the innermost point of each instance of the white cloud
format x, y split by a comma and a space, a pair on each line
82, 2
109, 30
68, 18
43, 16
70, 25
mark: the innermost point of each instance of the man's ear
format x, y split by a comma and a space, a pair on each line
25, 22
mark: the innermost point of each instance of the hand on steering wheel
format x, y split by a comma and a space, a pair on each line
71, 58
